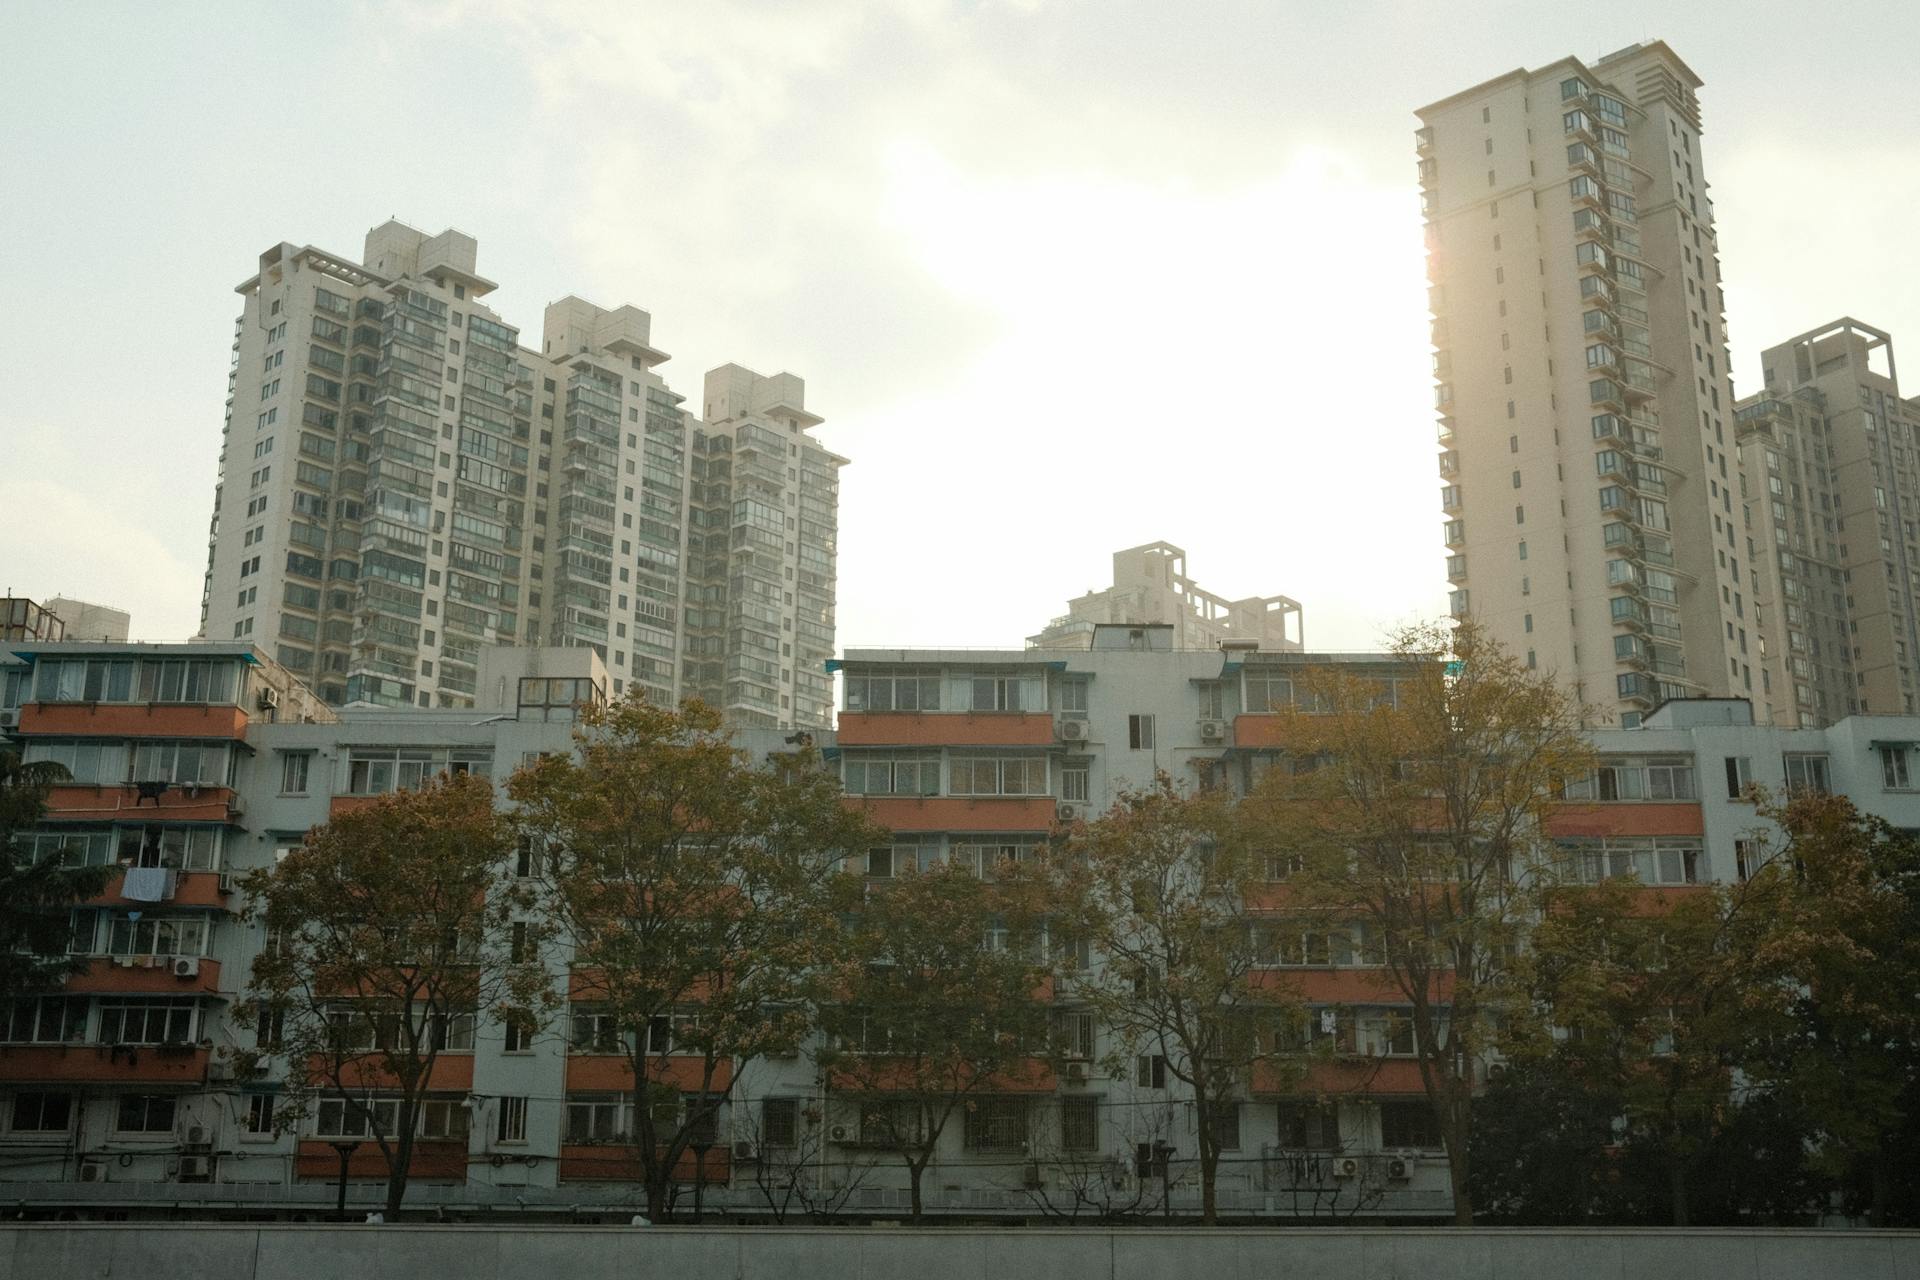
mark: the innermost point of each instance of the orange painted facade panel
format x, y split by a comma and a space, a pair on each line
190, 889
103, 1064
82, 802
1031, 1075
438, 1161
1334, 986
348, 804
135, 720
611, 1073
1256, 730
945, 729
452, 1073
1633, 818
613, 1163
960, 813
1393, 1076
107, 976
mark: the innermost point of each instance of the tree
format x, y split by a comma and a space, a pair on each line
940, 1007
1542, 1143
1417, 806
390, 932
1842, 945
692, 887
37, 895
1167, 888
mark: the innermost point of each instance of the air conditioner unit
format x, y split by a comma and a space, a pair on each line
196, 1135
1072, 812
743, 1149
1078, 1073
9, 719
194, 1169
186, 966
840, 1133
1400, 1167
227, 882
1030, 1176
92, 1171
1495, 1070
236, 807
269, 699
1074, 730
1346, 1167
1213, 730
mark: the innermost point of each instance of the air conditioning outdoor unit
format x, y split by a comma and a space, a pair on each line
1069, 812
196, 1135
9, 719
1213, 730
1400, 1167
226, 882
743, 1149
194, 1169
1078, 1073
1346, 1167
186, 966
1073, 730
269, 699
236, 807
840, 1133
1495, 1070
92, 1171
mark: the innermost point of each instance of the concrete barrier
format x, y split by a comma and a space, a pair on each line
164, 1251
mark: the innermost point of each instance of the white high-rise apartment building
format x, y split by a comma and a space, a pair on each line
419, 484
1586, 418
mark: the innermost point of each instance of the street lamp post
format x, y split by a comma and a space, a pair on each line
345, 1150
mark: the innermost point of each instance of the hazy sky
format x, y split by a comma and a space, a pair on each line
1062, 278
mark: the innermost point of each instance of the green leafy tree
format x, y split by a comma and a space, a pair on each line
1168, 888
390, 933
1543, 1148
1418, 809
940, 1006
37, 896
691, 887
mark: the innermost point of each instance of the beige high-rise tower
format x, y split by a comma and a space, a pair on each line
1586, 419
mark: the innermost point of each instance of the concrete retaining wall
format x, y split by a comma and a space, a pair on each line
85, 1251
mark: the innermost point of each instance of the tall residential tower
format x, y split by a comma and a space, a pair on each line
1586, 419
420, 484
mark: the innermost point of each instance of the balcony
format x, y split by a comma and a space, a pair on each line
176, 1064
87, 802
946, 728
613, 1073
433, 1161
147, 975
1423, 139
186, 889
616, 1162
133, 720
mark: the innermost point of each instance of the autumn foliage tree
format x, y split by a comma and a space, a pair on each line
1167, 886
937, 1003
691, 887
37, 895
1418, 808
390, 933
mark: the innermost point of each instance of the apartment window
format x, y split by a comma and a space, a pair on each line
144, 1113
42, 1112
513, 1120
893, 691
1140, 732
1408, 1124
518, 1037
1079, 1124
44, 1020
356, 1117
1893, 767
1224, 1120
996, 693
1073, 697
1807, 772
1150, 1071
780, 1122
1739, 776
1309, 1127
999, 776
1746, 858
293, 772
257, 1121
997, 1124
1648, 859
909, 776
1074, 781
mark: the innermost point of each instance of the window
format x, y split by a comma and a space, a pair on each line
997, 1124
1746, 858
1080, 1124
999, 776
901, 690
373, 771
518, 1037
1150, 1071
996, 693
1074, 782
356, 1117
598, 1118
594, 1030
1408, 1124
1310, 1127
42, 1112
780, 1122
1140, 732
1739, 776
1650, 859
136, 1020
144, 1113
156, 935
44, 1020
257, 1119
880, 776
1807, 772
1893, 767
1223, 1119
1073, 697
293, 773
513, 1120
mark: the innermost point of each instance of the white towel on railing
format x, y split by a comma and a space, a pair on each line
148, 884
